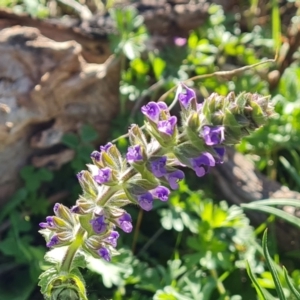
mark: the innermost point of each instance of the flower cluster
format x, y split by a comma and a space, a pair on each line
151, 166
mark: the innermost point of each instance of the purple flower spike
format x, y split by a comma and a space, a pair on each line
134, 154
53, 241
106, 147
202, 163
151, 111
49, 221
104, 176
146, 201
98, 224
221, 153
112, 239
213, 135
96, 155
173, 179
185, 99
104, 253
158, 167
125, 222
167, 126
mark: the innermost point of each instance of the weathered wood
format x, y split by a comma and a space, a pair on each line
46, 90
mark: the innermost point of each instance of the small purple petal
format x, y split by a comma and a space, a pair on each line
162, 105
125, 222
53, 241
221, 153
134, 154
43, 225
202, 163
161, 193
75, 209
173, 179
104, 176
158, 167
185, 99
56, 207
49, 221
79, 175
104, 253
167, 126
146, 201
112, 239
96, 155
213, 135
151, 111
98, 224
106, 147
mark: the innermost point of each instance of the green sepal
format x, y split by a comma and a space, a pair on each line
185, 151
241, 101
257, 114
88, 185
205, 111
85, 223
194, 139
136, 136
145, 184
108, 161
65, 214
133, 190
116, 157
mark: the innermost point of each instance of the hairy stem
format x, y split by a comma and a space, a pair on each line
71, 251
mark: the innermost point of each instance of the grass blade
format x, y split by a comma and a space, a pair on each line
258, 288
275, 211
272, 268
290, 284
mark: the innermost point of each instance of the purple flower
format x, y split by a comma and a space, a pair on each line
49, 223
104, 253
79, 175
53, 241
104, 176
106, 147
221, 153
112, 238
158, 167
161, 193
213, 135
167, 126
134, 154
98, 224
162, 105
146, 201
185, 99
96, 155
173, 178
56, 207
75, 209
151, 111
179, 41
202, 163
125, 222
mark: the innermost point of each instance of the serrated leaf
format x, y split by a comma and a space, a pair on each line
79, 261
45, 279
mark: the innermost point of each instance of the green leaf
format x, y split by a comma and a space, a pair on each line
290, 284
46, 278
259, 290
158, 67
71, 140
274, 211
272, 268
88, 133
16, 199
291, 170
79, 261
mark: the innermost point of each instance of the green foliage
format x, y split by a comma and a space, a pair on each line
191, 247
